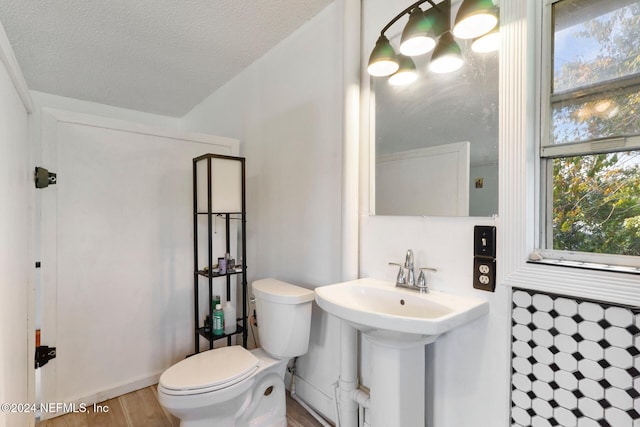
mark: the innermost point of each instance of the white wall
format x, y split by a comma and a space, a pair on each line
16, 250
286, 111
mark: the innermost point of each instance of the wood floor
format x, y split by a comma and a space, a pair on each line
141, 409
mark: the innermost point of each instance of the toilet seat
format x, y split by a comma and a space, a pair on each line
209, 371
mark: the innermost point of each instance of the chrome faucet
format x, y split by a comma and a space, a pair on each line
408, 280
408, 264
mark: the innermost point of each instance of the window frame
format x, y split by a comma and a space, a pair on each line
547, 152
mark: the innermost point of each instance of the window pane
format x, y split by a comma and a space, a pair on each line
596, 203
594, 41
616, 113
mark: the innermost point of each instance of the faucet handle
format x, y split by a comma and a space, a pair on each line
422, 279
401, 279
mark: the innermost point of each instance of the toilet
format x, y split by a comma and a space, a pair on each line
235, 387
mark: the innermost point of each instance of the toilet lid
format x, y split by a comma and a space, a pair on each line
210, 370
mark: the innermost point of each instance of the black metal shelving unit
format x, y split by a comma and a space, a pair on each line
199, 275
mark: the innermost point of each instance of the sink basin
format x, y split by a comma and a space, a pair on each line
370, 304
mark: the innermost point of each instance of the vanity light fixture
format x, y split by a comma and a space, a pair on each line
383, 60
419, 35
490, 42
475, 18
447, 56
406, 74
430, 30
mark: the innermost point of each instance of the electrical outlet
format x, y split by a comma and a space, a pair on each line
484, 273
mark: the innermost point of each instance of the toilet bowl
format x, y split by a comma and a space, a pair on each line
235, 387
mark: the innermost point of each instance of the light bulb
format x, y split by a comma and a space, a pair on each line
447, 56
487, 43
382, 68
446, 64
418, 45
403, 78
383, 60
475, 18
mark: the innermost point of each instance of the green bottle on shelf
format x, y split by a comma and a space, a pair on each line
218, 320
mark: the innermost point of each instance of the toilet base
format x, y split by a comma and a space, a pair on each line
258, 401
268, 404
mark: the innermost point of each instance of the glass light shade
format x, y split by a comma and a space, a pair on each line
383, 60
418, 37
475, 18
447, 56
487, 43
226, 185
406, 74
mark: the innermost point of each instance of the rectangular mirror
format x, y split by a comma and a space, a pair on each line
435, 141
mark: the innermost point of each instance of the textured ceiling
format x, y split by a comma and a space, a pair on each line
158, 56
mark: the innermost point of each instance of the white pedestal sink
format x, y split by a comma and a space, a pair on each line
398, 323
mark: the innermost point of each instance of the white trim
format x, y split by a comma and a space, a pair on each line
367, 134
598, 146
10, 62
516, 143
594, 260
519, 173
104, 395
137, 384
110, 123
617, 288
350, 13
321, 402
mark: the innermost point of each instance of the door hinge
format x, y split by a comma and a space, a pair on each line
44, 178
44, 354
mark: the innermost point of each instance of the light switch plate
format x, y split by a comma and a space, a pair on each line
484, 274
484, 241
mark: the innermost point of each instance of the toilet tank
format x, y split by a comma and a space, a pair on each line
284, 317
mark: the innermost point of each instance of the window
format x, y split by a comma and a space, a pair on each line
590, 145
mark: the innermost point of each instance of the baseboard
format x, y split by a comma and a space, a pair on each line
313, 397
102, 395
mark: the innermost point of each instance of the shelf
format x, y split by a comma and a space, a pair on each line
221, 213
222, 179
214, 274
206, 332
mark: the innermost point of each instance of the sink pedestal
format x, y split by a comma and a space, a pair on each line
397, 390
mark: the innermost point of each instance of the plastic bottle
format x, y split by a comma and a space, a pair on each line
230, 316
218, 320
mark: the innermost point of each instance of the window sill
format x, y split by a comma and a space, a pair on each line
586, 265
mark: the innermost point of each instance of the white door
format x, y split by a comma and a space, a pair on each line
428, 181
117, 248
